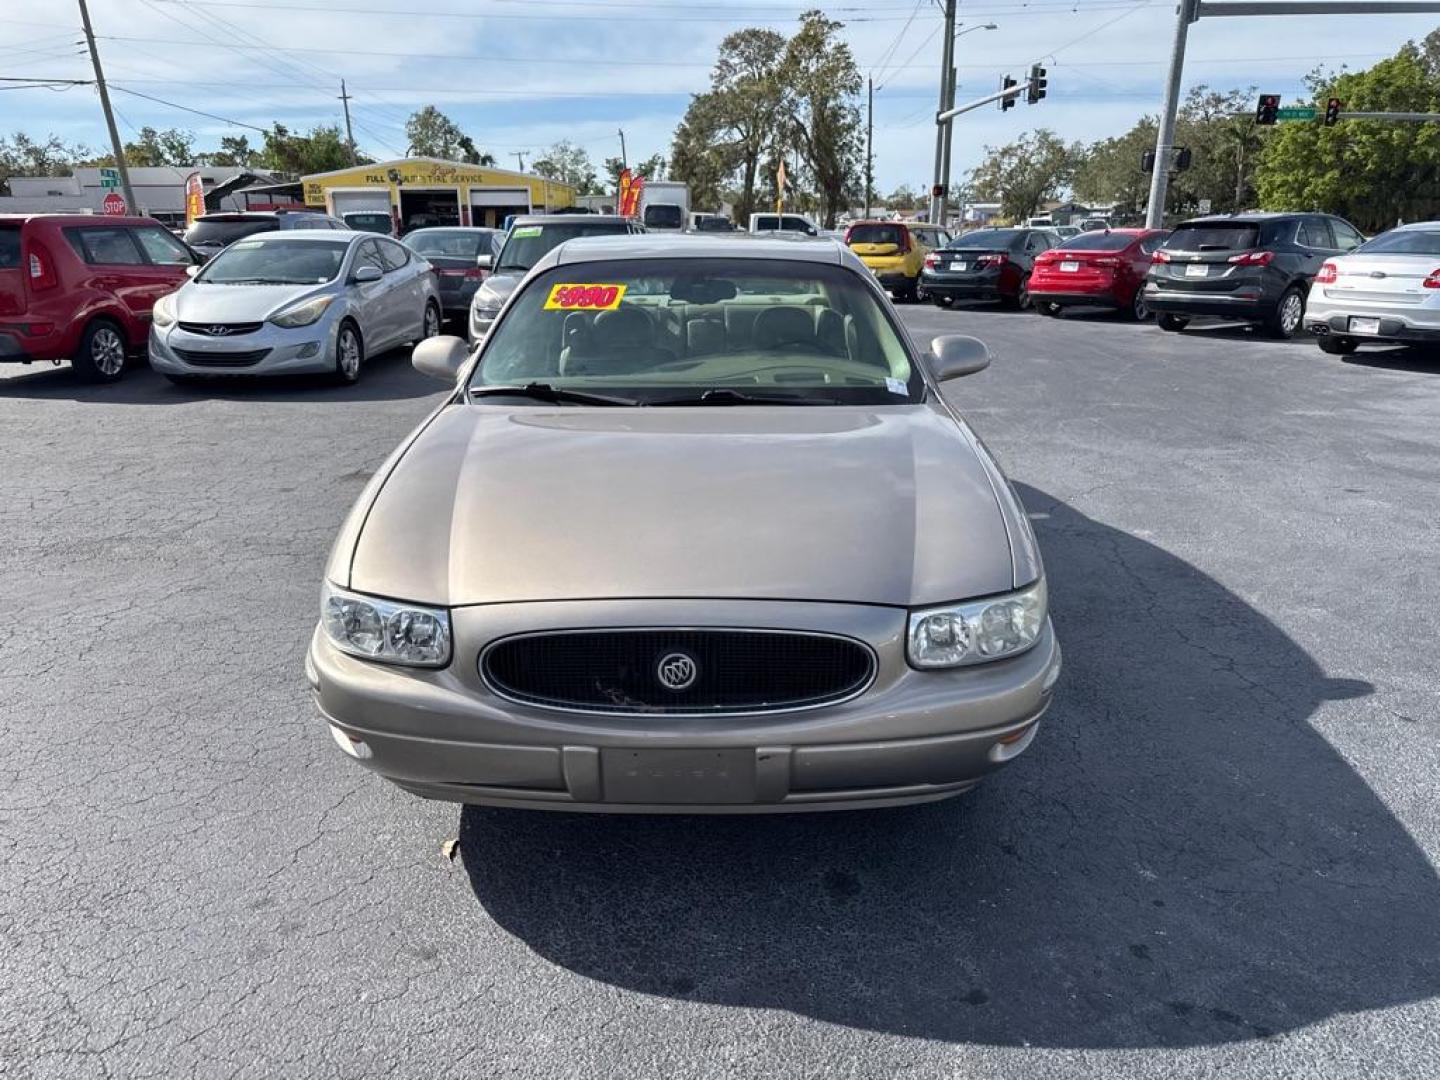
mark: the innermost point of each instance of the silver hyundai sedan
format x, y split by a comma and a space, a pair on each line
695, 531
304, 300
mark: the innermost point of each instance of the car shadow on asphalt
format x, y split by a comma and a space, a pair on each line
1399, 358
386, 377
1180, 860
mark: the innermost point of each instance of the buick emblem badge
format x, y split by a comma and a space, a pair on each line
677, 671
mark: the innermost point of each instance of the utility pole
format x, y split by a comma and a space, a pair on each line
947, 61
520, 157
115, 145
948, 128
869, 143
624, 161
1165, 135
349, 135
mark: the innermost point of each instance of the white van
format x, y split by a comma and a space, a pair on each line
783, 223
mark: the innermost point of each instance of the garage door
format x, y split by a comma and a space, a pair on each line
346, 201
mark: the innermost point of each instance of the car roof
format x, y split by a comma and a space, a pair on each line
455, 228
688, 246
1432, 226
572, 219
1251, 215
346, 235
79, 219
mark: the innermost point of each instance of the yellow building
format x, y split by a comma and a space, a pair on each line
426, 191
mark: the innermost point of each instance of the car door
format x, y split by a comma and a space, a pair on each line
1347, 237
1314, 245
405, 281
1035, 243
377, 320
119, 269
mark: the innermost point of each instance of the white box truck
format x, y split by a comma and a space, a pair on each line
665, 206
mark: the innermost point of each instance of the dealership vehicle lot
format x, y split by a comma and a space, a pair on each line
1219, 859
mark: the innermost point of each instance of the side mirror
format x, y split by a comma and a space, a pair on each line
365, 274
191, 270
441, 357
955, 355
484, 262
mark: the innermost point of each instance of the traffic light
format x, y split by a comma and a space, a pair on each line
1007, 102
1147, 161
1332, 112
1037, 84
1267, 108
1181, 161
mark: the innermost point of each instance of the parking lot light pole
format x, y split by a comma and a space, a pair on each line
117, 148
1189, 11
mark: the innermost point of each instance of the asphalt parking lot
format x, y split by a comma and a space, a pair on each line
1218, 860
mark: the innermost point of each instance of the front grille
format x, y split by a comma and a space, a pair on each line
220, 329
211, 358
735, 671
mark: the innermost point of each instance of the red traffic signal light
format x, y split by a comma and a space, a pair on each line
1266, 110
1332, 111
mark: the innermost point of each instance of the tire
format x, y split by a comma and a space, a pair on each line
1173, 323
1021, 300
1338, 346
1138, 311
349, 353
433, 321
101, 354
1288, 317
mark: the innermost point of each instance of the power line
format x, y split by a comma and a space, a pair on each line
188, 109
508, 16
878, 71
912, 56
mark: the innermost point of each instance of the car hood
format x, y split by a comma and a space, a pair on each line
200, 302
489, 504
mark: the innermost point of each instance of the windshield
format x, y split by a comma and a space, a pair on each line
276, 261
527, 243
987, 238
226, 231
1402, 242
877, 234
1200, 236
1100, 241
459, 243
664, 216
376, 221
671, 330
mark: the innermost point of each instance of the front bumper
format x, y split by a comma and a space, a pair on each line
479, 323
272, 350
911, 737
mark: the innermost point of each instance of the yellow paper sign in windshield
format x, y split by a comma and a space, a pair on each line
585, 297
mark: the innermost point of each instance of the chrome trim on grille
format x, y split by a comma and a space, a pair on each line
860, 689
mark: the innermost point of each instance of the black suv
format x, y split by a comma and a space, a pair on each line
209, 234
1253, 268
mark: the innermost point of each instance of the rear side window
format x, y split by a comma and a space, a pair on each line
1396, 242
1218, 236
108, 246
1313, 234
878, 234
1346, 238
1099, 241
162, 248
9, 247
767, 223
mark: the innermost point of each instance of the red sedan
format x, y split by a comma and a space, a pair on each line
1098, 269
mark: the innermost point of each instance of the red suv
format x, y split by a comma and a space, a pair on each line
1105, 268
81, 288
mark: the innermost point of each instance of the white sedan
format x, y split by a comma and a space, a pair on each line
1386, 290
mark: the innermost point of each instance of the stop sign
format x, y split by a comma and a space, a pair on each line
113, 205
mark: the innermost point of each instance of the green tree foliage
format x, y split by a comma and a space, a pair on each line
322, 149
770, 98
1373, 173
235, 151
153, 148
652, 168
903, 197
21, 155
1022, 175
569, 164
433, 134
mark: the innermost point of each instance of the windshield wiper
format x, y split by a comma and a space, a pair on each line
725, 395
545, 392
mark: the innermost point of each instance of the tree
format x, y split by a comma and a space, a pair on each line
903, 198
1370, 172
1023, 174
153, 148
235, 151
21, 155
322, 149
433, 134
569, 164
652, 168
1110, 172
822, 86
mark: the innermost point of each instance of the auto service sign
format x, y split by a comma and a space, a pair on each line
113, 205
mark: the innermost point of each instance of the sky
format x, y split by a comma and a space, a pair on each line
518, 76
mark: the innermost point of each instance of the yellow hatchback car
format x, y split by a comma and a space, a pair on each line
895, 252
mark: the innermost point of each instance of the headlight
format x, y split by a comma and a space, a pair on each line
487, 301
382, 630
978, 631
303, 313
163, 313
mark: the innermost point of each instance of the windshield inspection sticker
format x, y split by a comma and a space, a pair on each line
585, 297
527, 230
895, 386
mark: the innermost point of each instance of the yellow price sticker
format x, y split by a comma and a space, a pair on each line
586, 297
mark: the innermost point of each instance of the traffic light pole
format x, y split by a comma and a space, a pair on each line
1191, 10
947, 61
988, 99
